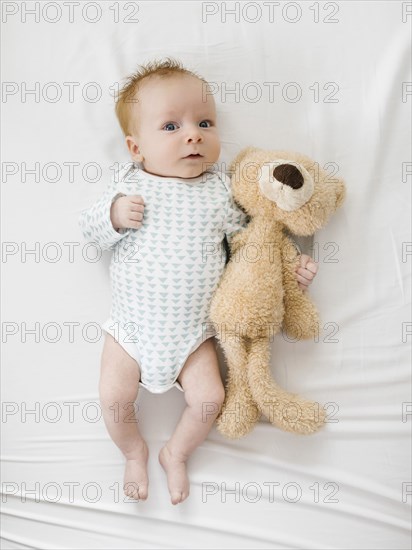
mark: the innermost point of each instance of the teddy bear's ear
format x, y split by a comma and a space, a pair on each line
240, 157
340, 193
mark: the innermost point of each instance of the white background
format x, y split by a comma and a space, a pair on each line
360, 365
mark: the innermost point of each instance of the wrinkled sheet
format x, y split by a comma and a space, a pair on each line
331, 80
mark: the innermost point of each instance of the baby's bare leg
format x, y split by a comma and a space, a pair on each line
204, 394
118, 388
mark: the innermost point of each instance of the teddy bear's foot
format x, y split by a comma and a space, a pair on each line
291, 413
237, 417
239, 412
287, 411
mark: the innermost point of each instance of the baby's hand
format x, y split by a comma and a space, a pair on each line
127, 212
306, 271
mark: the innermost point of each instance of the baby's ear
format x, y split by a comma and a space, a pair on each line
134, 149
139, 157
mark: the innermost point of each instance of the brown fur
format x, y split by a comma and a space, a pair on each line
258, 297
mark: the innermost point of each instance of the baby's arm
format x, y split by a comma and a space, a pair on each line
306, 272
127, 212
96, 222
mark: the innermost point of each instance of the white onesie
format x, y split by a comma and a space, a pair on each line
163, 275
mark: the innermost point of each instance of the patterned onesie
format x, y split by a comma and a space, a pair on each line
163, 275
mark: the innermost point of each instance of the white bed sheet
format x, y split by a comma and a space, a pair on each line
346, 487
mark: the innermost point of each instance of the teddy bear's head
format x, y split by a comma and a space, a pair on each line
288, 187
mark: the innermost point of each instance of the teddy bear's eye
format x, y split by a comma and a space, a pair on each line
289, 175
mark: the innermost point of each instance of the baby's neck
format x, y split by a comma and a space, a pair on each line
142, 167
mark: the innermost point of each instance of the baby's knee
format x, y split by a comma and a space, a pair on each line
218, 394
206, 398
112, 395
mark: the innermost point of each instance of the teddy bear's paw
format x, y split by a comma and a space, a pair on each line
237, 417
237, 242
302, 328
233, 428
311, 420
297, 416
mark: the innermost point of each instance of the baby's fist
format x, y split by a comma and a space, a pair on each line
306, 271
127, 212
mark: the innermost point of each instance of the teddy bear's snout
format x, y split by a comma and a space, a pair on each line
286, 183
288, 175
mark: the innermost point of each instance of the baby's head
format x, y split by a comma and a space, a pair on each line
169, 120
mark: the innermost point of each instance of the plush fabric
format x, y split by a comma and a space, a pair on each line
258, 294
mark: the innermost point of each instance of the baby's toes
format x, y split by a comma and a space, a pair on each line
179, 496
176, 497
131, 490
142, 491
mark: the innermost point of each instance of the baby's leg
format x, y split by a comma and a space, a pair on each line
204, 394
118, 387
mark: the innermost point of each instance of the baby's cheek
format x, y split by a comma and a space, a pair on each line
217, 150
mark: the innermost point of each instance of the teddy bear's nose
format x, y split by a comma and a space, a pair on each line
289, 175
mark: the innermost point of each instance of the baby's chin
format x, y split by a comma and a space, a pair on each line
187, 174
194, 169
184, 172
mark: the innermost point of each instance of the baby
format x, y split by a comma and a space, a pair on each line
165, 266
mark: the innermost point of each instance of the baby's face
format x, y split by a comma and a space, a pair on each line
175, 118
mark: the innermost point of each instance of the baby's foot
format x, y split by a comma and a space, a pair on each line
135, 475
177, 480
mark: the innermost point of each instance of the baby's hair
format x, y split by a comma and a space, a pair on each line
128, 93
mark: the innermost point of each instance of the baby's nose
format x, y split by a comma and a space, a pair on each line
193, 135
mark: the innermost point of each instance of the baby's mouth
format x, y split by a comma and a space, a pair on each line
193, 156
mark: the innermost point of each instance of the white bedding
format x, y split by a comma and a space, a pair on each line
346, 487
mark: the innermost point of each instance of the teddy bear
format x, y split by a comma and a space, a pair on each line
258, 294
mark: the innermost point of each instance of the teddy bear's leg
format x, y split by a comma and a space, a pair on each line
239, 412
285, 410
301, 318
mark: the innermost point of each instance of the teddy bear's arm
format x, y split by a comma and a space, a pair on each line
238, 240
301, 319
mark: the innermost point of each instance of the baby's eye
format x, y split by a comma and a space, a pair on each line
170, 126
203, 123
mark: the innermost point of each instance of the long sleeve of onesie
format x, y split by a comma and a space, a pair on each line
95, 221
235, 218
